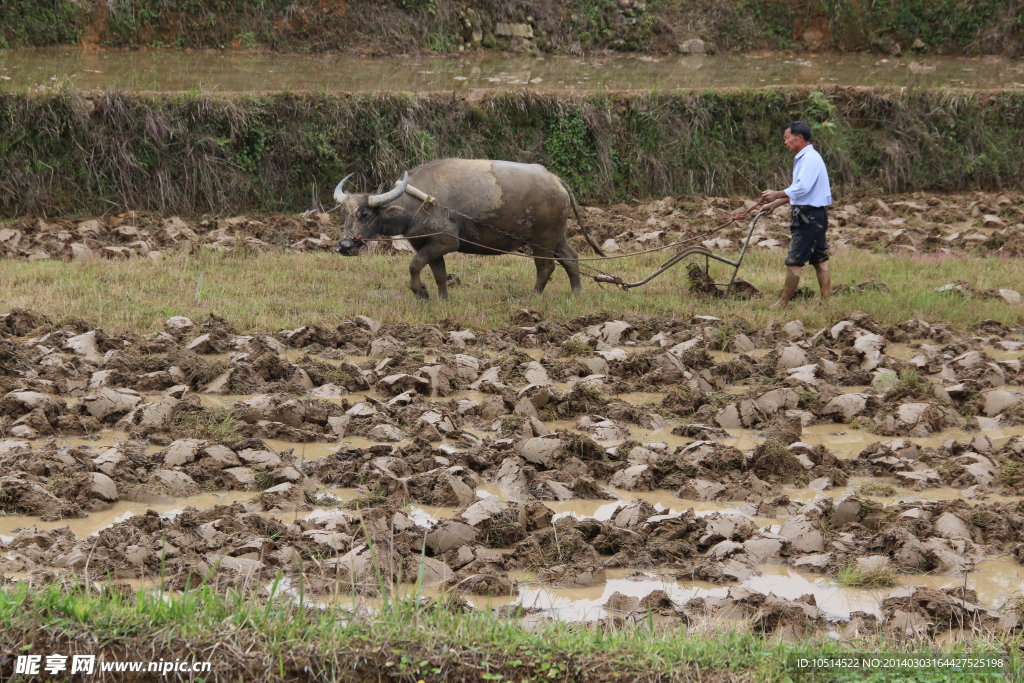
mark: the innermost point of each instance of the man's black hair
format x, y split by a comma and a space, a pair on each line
799, 128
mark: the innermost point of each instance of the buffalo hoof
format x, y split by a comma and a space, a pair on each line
422, 293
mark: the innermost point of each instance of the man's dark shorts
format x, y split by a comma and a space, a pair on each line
808, 229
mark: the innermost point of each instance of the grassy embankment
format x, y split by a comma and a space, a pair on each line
278, 291
403, 26
252, 640
192, 153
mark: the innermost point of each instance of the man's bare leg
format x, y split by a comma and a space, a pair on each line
789, 289
824, 279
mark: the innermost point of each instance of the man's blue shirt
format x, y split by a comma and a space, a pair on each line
810, 180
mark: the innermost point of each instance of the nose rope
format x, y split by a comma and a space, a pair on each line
358, 239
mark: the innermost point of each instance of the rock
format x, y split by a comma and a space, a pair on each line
764, 549
820, 484
542, 450
636, 478
17, 403
1009, 296
329, 391
610, 333
259, 458
386, 433
182, 451
103, 487
818, 562
792, 357
634, 514
995, 402
950, 526
178, 325
844, 512
204, 343
449, 534
222, 455
745, 413
693, 46
106, 403
535, 374
176, 483
777, 400
794, 329
873, 563
884, 379
85, 345
244, 477
393, 385
367, 324
803, 534
467, 368
618, 602
385, 347
108, 460
513, 30
434, 570
460, 339
701, 490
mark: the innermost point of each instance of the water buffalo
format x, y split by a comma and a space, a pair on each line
498, 205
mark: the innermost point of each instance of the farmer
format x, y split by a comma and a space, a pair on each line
809, 195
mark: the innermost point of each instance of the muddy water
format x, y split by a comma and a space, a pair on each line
120, 511
994, 579
159, 70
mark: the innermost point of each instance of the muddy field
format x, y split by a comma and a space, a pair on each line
989, 223
860, 477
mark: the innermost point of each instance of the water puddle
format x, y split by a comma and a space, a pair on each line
120, 511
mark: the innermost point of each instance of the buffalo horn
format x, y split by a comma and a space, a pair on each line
339, 191
388, 197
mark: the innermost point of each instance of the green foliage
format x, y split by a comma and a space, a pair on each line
400, 26
571, 149
39, 22
196, 153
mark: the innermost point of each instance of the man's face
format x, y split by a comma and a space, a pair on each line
794, 143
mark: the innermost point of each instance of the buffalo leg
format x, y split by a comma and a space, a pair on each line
568, 258
437, 267
545, 266
431, 252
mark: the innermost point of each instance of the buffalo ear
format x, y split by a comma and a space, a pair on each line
392, 212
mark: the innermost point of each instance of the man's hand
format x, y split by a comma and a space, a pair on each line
776, 204
773, 195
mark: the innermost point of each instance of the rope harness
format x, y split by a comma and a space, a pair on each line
427, 201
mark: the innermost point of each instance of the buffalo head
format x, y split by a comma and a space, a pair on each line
368, 215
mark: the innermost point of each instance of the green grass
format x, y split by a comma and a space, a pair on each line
214, 423
871, 488
282, 290
256, 640
908, 384
851, 575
